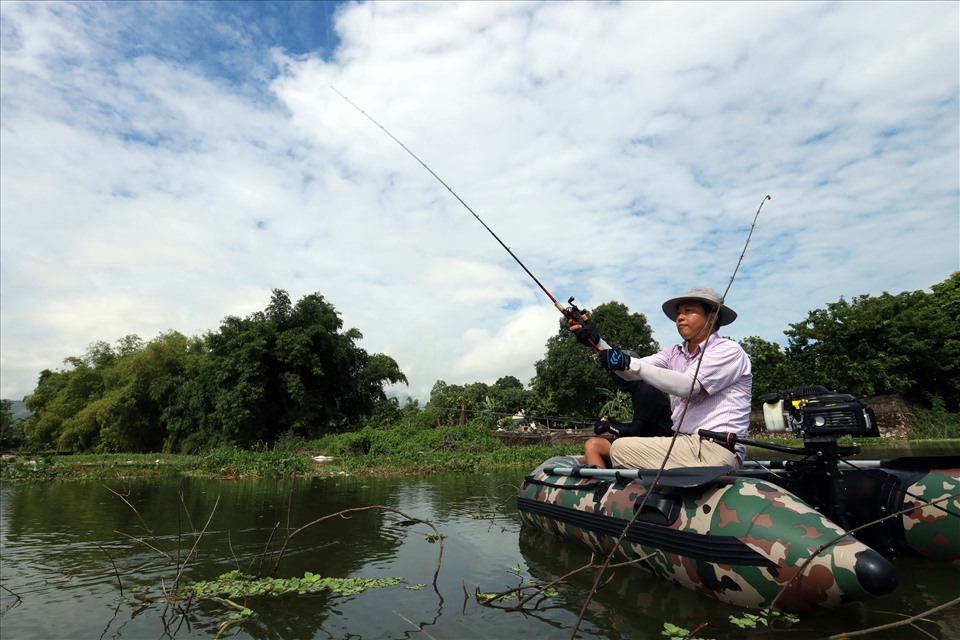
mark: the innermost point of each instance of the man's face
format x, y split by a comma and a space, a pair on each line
692, 320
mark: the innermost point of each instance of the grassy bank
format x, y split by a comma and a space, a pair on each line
397, 451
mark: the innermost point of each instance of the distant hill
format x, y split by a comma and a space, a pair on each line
19, 410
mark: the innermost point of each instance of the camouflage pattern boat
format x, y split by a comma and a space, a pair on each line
817, 531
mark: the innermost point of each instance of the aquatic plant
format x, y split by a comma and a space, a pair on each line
237, 584
674, 632
235, 462
753, 620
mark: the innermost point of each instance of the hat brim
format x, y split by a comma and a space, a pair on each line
727, 315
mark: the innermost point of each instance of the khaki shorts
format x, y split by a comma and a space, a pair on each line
688, 451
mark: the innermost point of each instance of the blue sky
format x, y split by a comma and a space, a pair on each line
165, 165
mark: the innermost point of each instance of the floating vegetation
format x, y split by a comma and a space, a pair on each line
753, 620
433, 537
236, 584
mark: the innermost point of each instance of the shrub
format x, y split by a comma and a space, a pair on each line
935, 422
233, 461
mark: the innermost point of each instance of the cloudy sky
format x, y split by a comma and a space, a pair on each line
164, 165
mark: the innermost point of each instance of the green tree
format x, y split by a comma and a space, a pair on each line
509, 393
11, 430
906, 344
445, 401
64, 416
141, 384
946, 296
112, 399
568, 378
287, 369
483, 402
772, 371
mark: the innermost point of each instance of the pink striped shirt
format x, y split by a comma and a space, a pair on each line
726, 377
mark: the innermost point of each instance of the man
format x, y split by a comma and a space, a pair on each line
709, 393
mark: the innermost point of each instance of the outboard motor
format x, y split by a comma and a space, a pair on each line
815, 412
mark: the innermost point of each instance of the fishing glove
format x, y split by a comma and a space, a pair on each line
587, 334
601, 426
614, 360
605, 425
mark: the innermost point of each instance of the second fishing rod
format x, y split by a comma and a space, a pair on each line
571, 312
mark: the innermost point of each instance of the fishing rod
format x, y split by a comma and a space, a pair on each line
572, 312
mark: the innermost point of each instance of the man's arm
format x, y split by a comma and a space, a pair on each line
676, 383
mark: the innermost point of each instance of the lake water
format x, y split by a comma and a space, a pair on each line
63, 546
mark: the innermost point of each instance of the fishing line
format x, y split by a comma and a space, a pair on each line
568, 312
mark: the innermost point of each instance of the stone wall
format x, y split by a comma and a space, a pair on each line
894, 418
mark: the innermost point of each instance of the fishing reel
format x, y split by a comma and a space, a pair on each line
815, 412
574, 312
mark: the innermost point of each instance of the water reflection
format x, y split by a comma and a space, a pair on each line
59, 543
637, 604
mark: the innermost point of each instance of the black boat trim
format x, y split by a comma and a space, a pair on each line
697, 546
589, 486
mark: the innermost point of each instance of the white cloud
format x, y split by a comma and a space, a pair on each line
163, 173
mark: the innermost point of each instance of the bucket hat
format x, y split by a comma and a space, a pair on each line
705, 295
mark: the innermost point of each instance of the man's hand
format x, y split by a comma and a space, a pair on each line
585, 333
601, 426
614, 360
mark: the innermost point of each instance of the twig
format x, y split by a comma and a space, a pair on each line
196, 542
143, 524
16, 603
266, 547
543, 586
233, 554
367, 508
293, 484
415, 626
142, 541
115, 571
894, 625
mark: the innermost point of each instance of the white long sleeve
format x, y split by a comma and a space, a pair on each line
673, 382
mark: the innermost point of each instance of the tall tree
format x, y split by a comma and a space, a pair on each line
772, 370
445, 401
11, 432
568, 378
140, 386
906, 344
510, 395
288, 369
63, 404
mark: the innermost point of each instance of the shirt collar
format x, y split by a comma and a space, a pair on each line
713, 337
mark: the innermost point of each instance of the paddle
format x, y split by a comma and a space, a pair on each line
680, 477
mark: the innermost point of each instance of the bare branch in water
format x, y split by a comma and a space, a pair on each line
415, 626
16, 603
115, 571
143, 525
894, 625
341, 514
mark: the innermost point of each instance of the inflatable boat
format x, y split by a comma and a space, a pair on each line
816, 530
